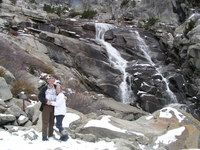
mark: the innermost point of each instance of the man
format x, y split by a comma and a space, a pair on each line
47, 93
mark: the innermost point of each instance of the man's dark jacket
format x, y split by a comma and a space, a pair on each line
41, 96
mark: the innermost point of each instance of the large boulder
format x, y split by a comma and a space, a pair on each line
6, 118
165, 129
5, 93
33, 112
16, 111
7, 75
119, 110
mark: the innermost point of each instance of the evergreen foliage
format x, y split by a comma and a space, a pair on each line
150, 22
32, 69
74, 14
51, 9
48, 8
88, 14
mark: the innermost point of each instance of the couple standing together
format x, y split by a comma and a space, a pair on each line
53, 105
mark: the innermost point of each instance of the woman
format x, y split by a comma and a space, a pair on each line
60, 111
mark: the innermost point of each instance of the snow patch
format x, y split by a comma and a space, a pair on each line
33, 103
22, 117
4, 115
104, 123
69, 118
168, 113
149, 117
169, 137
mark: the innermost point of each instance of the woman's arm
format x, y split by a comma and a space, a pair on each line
60, 98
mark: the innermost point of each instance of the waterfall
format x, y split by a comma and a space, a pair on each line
145, 49
117, 61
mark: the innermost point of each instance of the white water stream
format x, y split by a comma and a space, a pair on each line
145, 49
120, 63
117, 61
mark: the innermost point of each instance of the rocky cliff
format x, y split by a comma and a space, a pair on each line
144, 54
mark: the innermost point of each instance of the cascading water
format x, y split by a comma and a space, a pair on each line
117, 61
145, 49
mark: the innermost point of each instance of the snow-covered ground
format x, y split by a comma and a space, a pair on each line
17, 141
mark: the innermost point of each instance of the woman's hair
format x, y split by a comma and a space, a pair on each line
59, 86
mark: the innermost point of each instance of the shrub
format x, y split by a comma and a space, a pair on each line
2, 72
32, 69
1, 1
150, 22
58, 10
89, 14
48, 8
22, 85
74, 14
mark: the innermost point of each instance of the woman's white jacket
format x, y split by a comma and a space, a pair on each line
60, 105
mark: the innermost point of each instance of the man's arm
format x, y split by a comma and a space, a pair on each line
41, 95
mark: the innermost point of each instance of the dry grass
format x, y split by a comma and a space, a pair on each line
22, 85
46, 69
